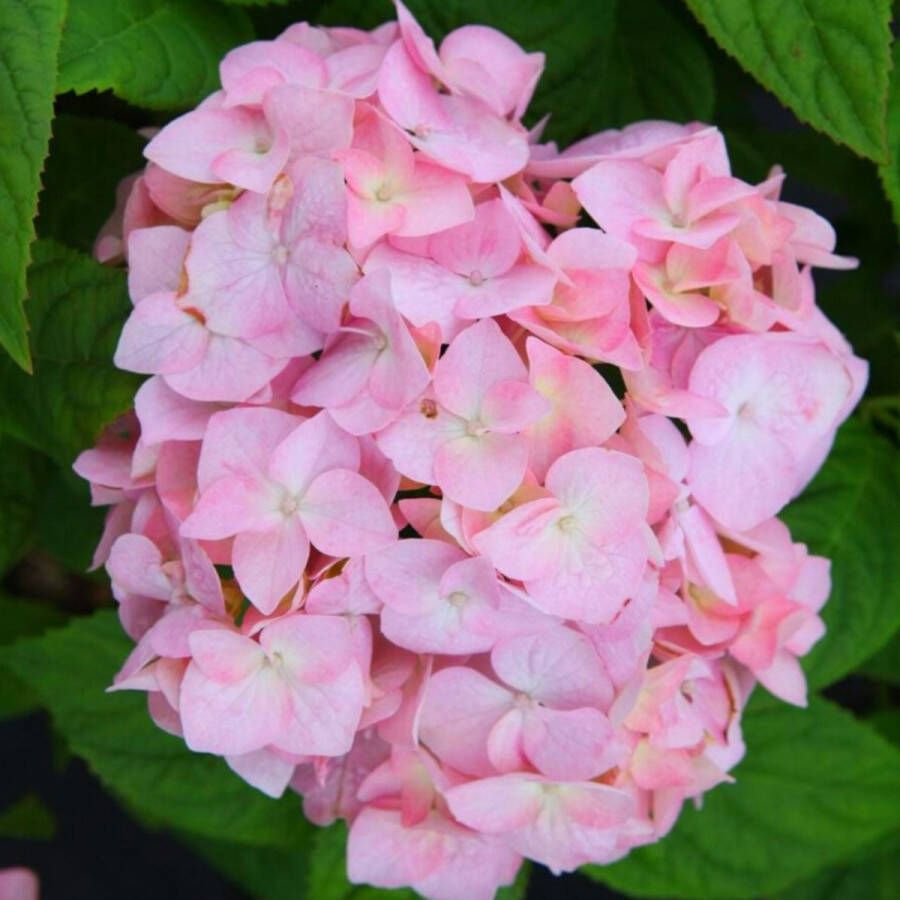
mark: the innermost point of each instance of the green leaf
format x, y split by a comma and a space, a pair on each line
266, 873
887, 723
27, 819
848, 513
22, 484
873, 876
70, 668
77, 310
29, 44
68, 527
161, 54
814, 787
659, 70
21, 618
885, 664
828, 61
88, 158
327, 875
890, 170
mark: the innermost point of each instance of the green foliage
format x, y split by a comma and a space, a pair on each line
266, 873
827, 61
161, 54
80, 187
890, 170
68, 527
151, 771
815, 787
27, 819
22, 474
848, 514
21, 618
659, 69
872, 876
887, 723
885, 664
77, 309
29, 43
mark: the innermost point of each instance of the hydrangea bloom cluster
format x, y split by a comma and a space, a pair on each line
381, 529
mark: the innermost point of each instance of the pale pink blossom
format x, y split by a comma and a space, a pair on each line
298, 689
279, 484
468, 438
561, 824
580, 550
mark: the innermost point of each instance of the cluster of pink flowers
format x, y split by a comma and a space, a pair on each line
381, 529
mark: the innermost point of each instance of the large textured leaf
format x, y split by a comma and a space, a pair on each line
27, 819
69, 669
828, 61
848, 514
22, 481
885, 664
77, 309
659, 70
890, 171
162, 54
873, 876
21, 618
815, 787
88, 158
29, 44
68, 527
266, 873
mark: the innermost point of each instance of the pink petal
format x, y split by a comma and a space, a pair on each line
267, 564
571, 745
558, 667
406, 575
312, 448
481, 472
477, 358
497, 805
160, 337
324, 716
232, 718
524, 543
263, 769
135, 566
229, 371
606, 491
345, 515
317, 122
316, 649
489, 244
461, 707
585, 412
240, 442
155, 259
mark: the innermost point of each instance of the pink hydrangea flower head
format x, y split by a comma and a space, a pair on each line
449, 501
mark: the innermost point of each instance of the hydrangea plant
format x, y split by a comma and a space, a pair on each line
449, 508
